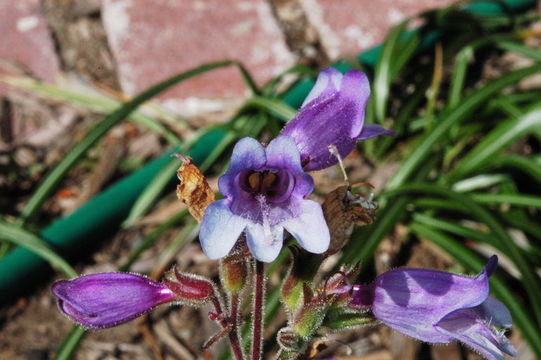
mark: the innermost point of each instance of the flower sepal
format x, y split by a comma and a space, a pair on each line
345, 318
190, 289
304, 267
234, 268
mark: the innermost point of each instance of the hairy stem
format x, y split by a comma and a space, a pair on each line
234, 323
231, 325
259, 297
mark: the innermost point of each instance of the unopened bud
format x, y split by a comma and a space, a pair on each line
190, 288
309, 319
289, 340
233, 272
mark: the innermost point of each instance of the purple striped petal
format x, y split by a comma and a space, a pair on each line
372, 130
413, 300
109, 299
332, 114
477, 334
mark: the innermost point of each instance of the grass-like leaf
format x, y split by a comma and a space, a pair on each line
454, 116
21, 237
95, 102
55, 176
501, 137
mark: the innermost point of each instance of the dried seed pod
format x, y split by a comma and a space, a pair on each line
342, 210
193, 189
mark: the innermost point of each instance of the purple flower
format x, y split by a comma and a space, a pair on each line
265, 190
439, 307
332, 114
109, 299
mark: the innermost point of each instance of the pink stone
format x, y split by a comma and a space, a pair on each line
153, 42
347, 27
26, 41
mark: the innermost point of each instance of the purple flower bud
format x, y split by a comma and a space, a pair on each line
439, 307
265, 190
332, 114
109, 299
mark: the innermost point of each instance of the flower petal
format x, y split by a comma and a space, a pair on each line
372, 130
248, 153
264, 245
476, 334
109, 299
328, 82
282, 153
332, 118
220, 229
493, 311
413, 300
309, 228
356, 88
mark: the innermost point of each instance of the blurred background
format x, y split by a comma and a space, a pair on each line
96, 95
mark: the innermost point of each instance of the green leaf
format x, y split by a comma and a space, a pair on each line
70, 343
55, 176
479, 182
273, 106
526, 165
95, 102
458, 78
515, 47
508, 199
384, 71
18, 236
451, 117
499, 138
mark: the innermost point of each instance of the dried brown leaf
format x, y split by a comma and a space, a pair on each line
342, 210
193, 189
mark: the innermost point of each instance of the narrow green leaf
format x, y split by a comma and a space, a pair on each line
55, 176
458, 78
508, 199
70, 343
151, 193
21, 237
273, 106
95, 102
383, 71
515, 47
454, 116
479, 182
452, 227
499, 138
522, 163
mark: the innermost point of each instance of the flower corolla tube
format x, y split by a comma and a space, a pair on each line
439, 307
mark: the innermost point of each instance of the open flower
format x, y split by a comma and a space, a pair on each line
110, 299
332, 114
265, 190
439, 307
